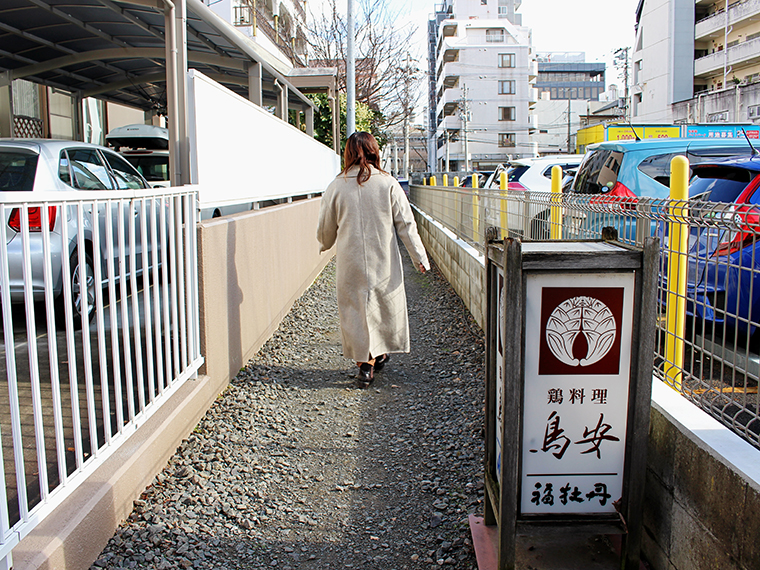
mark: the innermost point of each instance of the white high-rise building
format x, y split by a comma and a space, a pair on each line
482, 85
696, 61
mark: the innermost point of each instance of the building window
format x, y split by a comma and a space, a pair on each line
484, 2
506, 139
507, 87
506, 113
506, 60
495, 35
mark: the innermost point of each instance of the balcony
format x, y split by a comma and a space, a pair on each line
533, 69
450, 54
532, 97
449, 28
714, 26
450, 81
746, 53
532, 123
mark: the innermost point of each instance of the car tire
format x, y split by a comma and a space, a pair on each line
76, 299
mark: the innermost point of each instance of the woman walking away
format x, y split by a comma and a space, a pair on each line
362, 211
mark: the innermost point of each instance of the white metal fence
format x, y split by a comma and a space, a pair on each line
84, 365
710, 349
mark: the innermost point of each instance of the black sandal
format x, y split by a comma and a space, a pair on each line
381, 361
366, 374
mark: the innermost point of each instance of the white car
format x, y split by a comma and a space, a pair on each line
147, 148
45, 165
527, 214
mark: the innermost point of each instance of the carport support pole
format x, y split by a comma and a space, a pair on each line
309, 116
180, 15
254, 83
171, 91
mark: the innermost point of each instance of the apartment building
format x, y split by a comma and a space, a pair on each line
279, 26
696, 61
483, 93
566, 75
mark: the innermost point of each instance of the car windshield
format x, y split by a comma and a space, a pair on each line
719, 184
516, 171
599, 171
155, 168
17, 170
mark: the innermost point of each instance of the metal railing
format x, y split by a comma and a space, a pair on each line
85, 365
710, 351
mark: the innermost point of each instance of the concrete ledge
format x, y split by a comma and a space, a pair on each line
74, 534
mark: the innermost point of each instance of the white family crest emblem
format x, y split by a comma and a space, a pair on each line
581, 331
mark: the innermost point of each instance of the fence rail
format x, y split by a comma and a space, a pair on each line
99, 302
712, 353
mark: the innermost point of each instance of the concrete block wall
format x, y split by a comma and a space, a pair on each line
460, 263
702, 503
702, 508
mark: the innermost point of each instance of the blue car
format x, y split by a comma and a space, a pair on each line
724, 258
642, 168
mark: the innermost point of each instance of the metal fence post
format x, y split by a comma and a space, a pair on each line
678, 245
504, 187
555, 226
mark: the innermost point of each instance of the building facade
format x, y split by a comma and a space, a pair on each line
566, 75
279, 26
482, 99
693, 59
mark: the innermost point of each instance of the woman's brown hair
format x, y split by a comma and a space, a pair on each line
363, 151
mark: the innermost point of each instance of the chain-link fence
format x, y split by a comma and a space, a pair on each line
708, 343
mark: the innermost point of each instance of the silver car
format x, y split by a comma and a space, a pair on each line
43, 165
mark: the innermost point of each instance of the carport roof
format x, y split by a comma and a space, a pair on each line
114, 49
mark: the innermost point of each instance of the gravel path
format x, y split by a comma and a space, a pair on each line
294, 467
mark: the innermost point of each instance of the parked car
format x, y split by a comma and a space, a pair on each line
465, 180
147, 148
723, 283
529, 215
642, 168
43, 165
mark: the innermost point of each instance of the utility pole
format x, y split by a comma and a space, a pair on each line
621, 61
569, 108
350, 72
395, 156
406, 145
464, 114
407, 108
725, 49
448, 164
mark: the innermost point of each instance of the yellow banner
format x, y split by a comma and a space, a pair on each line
662, 132
624, 133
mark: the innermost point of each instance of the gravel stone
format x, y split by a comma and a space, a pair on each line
295, 467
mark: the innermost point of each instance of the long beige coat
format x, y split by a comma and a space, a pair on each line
364, 220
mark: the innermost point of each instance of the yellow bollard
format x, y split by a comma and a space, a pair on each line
433, 181
445, 179
475, 208
678, 249
424, 181
456, 181
555, 229
503, 186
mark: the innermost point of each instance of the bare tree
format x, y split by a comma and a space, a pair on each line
387, 80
